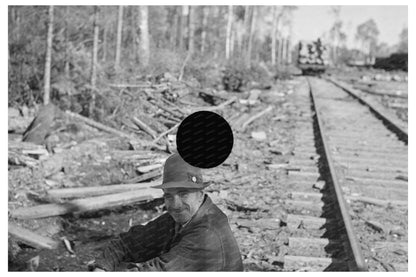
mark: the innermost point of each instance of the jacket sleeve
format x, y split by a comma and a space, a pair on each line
200, 250
139, 244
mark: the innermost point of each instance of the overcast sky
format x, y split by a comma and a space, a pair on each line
310, 22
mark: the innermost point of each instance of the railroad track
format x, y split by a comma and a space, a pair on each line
347, 208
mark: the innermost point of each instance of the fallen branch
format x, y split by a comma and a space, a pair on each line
87, 204
31, 238
97, 190
166, 132
130, 85
218, 107
144, 127
147, 168
254, 117
15, 158
176, 114
99, 126
188, 56
204, 91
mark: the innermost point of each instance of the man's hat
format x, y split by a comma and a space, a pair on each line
179, 174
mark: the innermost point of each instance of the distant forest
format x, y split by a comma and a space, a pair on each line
69, 50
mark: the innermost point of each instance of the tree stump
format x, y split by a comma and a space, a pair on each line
41, 125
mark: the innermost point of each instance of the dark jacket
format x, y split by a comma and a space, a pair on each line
206, 243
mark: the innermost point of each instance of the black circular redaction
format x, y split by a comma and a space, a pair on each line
204, 139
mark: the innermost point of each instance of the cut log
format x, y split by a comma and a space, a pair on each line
147, 168
87, 204
97, 190
31, 238
176, 114
145, 177
256, 116
144, 127
99, 126
15, 158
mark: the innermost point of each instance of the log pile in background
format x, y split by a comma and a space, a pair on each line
312, 53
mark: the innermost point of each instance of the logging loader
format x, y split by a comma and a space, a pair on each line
312, 57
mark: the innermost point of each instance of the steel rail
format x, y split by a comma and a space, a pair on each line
392, 122
360, 264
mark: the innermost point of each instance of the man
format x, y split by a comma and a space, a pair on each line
194, 235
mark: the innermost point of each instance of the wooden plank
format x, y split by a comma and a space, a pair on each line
377, 202
400, 184
298, 204
97, 190
87, 204
306, 196
371, 174
302, 263
31, 238
313, 175
307, 222
314, 247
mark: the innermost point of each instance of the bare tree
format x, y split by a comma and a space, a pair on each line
274, 31
66, 67
94, 61
247, 12
104, 56
47, 75
144, 52
191, 35
251, 35
228, 36
336, 35
205, 14
181, 26
367, 33
403, 41
133, 28
119, 34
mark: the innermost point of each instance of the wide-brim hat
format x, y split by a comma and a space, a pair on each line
179, 174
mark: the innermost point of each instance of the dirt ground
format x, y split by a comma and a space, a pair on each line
243, 187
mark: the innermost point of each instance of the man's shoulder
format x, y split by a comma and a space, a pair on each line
213, 218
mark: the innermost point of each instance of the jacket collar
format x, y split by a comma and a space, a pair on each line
203, 209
